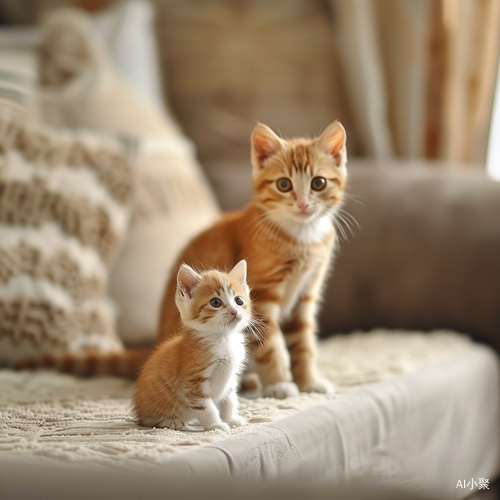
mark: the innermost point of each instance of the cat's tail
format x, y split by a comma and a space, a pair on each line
250, 382
126, 363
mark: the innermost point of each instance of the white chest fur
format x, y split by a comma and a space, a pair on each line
308, 233
229, 356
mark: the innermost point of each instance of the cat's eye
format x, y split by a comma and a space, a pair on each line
239, 301
318, 183
215, 302
284, 185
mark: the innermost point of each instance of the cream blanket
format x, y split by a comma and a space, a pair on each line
51, 416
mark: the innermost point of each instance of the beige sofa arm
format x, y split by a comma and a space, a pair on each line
426, 255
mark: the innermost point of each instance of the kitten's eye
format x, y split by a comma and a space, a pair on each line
318, 183
284, 185
215, 302
239, 301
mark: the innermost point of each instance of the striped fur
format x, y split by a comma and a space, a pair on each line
287, 237
193, 375
90, 362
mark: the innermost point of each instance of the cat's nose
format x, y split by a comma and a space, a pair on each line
234, 312
303, 206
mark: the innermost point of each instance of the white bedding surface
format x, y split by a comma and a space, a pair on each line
430, 427
414, 410
50, 416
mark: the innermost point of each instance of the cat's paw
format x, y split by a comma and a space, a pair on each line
321, 385
281, 390
172, 423
236, 421
219, 426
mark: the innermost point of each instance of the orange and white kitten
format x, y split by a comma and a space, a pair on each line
287, 235
193, 375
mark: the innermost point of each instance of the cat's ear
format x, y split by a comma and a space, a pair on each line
265, 143
239, 273
333, 141
187, 279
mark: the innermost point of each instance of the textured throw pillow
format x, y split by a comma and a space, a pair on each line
17, 89
127, 30
80, 87
65, 201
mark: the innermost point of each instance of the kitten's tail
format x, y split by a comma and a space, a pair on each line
250, 382
91, 362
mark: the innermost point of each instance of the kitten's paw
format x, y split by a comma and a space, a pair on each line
172, 423
321, 385
236, 421
281, 390
220, 426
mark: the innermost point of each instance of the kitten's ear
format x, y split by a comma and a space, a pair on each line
187, 279
265, 143
333, 141
239, 273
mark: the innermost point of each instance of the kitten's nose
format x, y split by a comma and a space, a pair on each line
234, 312
303, 206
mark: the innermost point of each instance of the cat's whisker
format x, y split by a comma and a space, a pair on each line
254, 330
255, 327
257, 322
355, 198
349, 216
255, 334
342, 221
338, 225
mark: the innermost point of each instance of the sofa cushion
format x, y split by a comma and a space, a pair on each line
65, 200
174, 200
425, 254
402, 399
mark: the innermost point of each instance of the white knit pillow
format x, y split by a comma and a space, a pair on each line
64, 211
174, 199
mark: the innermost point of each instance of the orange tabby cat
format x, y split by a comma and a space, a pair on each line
286, 234
193, 375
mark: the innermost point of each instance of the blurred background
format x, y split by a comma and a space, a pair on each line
408, 78
413, 81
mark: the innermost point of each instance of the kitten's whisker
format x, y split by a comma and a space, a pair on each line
349, 216
346, 223
355, 198
254, 327
338, 225
258, 324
